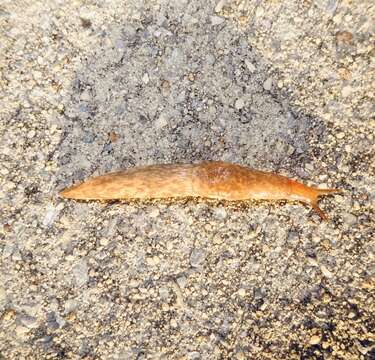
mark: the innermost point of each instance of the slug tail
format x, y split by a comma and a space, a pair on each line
69, 193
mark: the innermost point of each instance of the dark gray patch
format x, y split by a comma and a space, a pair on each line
169, 117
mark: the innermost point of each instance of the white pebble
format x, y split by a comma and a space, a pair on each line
217, 20
104, 242
240, 103
346, 91
161, 121
51, 214
267, 85
259, 11
80, 272
242, 292
250, 66
146, 78
85, 96
181, 281
309, 167
31, 134
21, 330
154, 213
29, 321
326, 272
197, 257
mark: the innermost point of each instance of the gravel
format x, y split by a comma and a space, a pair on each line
93, 87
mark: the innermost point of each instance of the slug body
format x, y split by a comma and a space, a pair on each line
211, 179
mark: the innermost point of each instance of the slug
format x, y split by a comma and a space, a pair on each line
209, 179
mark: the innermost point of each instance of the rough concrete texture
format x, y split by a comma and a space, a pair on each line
93, 86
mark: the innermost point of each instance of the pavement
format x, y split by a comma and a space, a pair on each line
88, 87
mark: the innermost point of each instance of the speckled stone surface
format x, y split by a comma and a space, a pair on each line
90, 87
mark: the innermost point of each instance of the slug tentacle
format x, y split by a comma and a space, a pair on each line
320, 212
209, 179
321, 192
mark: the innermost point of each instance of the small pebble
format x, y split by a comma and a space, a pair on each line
267, 85
326, 272
217, 240
346, 91
197, 257
194, 355
312, 262
162, 121
242, 292
145, 78
250, 66
349, 219
30, 322
51, 214
21, 330
309, 167
85, 96
239, 104
31, 134
217, 20
344, 37
191, 76
113, 137
154, 213
9, 315
181, 281
104, 241
88, 137
174, 323
351, 315
70, 305
259, 11
80, 272
221, 213
314, 340
153, 261
164, 293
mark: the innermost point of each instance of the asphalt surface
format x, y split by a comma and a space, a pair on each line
91, 87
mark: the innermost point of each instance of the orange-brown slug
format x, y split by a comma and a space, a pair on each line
210, 179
